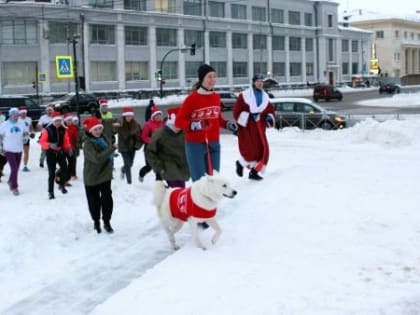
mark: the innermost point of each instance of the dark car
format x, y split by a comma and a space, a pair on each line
326, 92
303, 113
87, 103
389, 88
8, 101
228, 99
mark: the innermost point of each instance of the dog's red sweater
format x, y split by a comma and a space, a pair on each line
183, 207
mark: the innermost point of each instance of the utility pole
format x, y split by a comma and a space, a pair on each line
76, 77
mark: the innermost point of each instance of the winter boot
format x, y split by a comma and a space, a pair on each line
97, 226
108, 228
253, 174
51, 196
62, 189
122, 174
239, 169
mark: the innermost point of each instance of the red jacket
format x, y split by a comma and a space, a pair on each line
206, 109
182, 206
73, 134
64, 142
149, 128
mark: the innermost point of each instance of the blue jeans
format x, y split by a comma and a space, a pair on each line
197, 158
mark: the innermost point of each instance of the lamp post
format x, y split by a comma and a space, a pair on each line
76, 77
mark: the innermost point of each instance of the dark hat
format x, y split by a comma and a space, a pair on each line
257, 77
203, 70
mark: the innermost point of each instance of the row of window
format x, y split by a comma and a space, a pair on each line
23, 73
380, 34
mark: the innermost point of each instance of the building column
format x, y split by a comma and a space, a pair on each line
270, 55
287, 61
303, 45
207, 46
250, 56
181, 57
86, 55
44, 65
229, 66
339, 62
152, 55
120, 41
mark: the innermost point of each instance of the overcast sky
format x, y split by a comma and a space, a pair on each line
405, 7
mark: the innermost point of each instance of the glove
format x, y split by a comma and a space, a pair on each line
254, 116
196, 125
53, 146
32, 135
269, 120
70, 153
232, 126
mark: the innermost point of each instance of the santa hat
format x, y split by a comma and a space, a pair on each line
103, 102
172, 112
92, 123
155, 111
23, 109
49, 108
56, 116
75, 118
13, 111
127, 111
68, 116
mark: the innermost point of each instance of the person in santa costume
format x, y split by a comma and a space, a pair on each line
28, 123
253, 113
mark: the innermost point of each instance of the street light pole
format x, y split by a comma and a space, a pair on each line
76, 77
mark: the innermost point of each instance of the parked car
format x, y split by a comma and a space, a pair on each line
228, 99
87, 103
389, 88
305, 114
326, 92
8, 101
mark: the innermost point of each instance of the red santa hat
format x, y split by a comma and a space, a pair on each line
172, 112
68, 117
103, 102
155, 110
75, 118
56, 116
127, 111
23, 109
91, 123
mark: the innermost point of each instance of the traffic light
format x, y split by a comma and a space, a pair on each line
33, 84
192, 49
158, 75
82, 83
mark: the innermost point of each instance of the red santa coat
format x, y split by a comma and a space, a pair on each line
253, 144
182, 206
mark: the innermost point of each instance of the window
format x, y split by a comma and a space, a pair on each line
309, 44
308, 19
345, 45
279, 69
260, 68
166, 37
259, 41
191, 37
354, 46
412, 36
167, 6
18, 73
258, 14
294, 44
191, 69
397, 34
355, 67
330, 20
295, 69
294, 17
61, 32
170, 70
217, 9
239, 40
238, 11
418, 36
345, 69
103, 71
278, 42
379, 34
102, 34
136, 35
240, 69
101, 3
139, 5
277, 16
136, 70
192, 7
18, 32
405, 35
217, 39
309, 68
220, 67
331, 50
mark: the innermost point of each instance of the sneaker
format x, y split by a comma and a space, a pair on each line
108, 228
239, 169
15, 192
51, 196
25, 169
63, 189
97, 227
253, 174
41, 164
141, 178
122, 175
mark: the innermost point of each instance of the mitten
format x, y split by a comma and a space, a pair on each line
269, 120
32, 135
232, 126
196, 125
53, 146
254, 116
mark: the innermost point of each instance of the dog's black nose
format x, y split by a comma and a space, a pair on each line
234, 192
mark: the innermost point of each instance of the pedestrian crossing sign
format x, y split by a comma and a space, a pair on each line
64, 66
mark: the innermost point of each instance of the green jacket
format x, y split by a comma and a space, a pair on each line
109, 129
166, 154
98, 164
129, 137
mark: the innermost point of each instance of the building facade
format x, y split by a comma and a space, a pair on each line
397, 43
120, 44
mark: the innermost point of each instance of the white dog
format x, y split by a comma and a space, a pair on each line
195, 204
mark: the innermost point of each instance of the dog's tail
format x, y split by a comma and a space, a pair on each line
159, 193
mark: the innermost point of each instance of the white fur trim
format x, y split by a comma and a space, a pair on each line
95, 126
249, 98
243, 119
156, 113
57, 118
127, 114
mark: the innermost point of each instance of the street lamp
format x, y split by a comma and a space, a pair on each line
76, 76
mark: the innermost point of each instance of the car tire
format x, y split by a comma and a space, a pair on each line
326, 125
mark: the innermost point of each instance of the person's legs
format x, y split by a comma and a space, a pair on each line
107, 205
214, 148
51, 163
196, 158
25, 157
13, 158
93, 199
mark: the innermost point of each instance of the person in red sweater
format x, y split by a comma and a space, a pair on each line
154, 123
200, 116
73, 133
253, 112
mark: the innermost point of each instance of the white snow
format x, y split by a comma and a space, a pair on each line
333, 229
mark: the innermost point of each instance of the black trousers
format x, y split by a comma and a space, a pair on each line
3, 162
99, 198
72, 164
128, 160
54, 158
